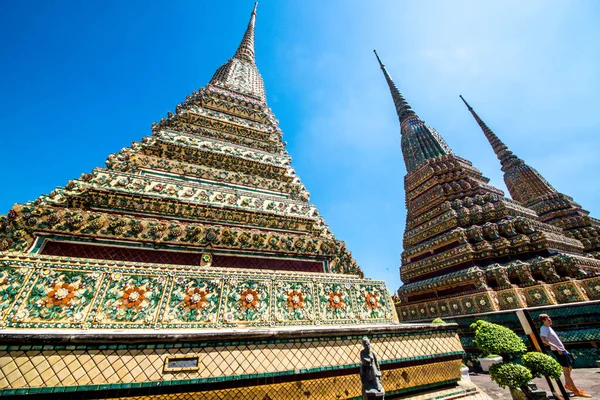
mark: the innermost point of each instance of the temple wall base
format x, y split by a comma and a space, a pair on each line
319, 363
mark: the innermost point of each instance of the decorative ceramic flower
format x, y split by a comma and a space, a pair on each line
133, 296
195, 298
137, 228
249, 298
100, 317
371, 300
567, 292
455, 306
53, 219
96, 275
468, 304
336, 300
61, 295
97, 223
78, 317
123, 181
189, 192
116, 276
537, 296
229, 317
432, 309
180, 280
46, 272
443, 308
404, 313
482, 302
295, 299
21, 315
510, 299
244, 238
158, 187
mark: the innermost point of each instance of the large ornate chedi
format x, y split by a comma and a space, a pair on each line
467, 248
528, 187
194, 266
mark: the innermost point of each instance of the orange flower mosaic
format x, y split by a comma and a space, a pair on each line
372, 301
195, 298
133, 296
336, 300
61, 295
249, 298
295, 299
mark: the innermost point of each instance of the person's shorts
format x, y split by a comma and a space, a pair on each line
564, 359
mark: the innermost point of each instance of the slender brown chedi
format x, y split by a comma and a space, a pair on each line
194, 266
528, 186
467, 248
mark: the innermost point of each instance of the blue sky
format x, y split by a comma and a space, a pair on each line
81, 80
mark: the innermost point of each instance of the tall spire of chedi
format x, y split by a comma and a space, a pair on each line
524, 183
246, 48
419, 141
467, 248
240, 73
527, 186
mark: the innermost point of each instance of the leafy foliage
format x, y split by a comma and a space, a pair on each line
493, 338
509, 374
542, 365
438, 321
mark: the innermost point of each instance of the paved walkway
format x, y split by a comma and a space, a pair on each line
586, 379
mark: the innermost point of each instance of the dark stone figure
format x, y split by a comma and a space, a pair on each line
370, 374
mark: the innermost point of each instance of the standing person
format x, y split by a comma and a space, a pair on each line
550, 338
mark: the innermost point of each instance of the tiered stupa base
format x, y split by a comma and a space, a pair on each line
75, 328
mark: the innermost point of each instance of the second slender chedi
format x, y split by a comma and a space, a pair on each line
469, 249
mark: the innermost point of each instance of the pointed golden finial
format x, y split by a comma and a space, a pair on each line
246, 49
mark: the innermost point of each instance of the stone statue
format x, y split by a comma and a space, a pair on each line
370, 374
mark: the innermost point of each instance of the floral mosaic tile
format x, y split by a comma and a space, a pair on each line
65, 294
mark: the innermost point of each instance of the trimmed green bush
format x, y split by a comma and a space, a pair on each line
496, 339
510, 375
542, 365
438, 321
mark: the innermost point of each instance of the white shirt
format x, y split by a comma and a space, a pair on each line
552, 338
